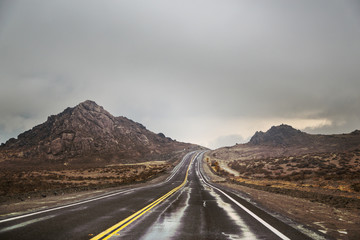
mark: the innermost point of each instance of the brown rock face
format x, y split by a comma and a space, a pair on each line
87, 131
283, 135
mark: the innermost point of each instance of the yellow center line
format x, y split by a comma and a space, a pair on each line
122, 224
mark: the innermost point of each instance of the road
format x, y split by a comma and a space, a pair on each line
185, 206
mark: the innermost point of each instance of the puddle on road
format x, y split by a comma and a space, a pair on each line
233, 215
80, 208
168, 223
23, 224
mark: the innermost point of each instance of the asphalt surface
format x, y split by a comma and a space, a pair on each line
173, 209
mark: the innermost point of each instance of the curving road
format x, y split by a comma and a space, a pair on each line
185, 206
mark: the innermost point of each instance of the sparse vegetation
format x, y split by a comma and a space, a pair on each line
328, 177
215, 166
27, 182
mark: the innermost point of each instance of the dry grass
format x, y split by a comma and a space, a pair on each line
331, 171
26, 183
326, 213
332, 177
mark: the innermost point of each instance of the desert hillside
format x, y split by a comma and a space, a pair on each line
87, 133
286, 154
322, 169
83, 148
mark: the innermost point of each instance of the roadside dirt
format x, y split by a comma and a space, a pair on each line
337, 223
15, 204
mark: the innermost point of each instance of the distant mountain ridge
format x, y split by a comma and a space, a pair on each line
285, 141
283, 135
88, 131
287, 136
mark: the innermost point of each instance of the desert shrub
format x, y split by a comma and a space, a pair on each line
297, 177
215, 165
307, 172
236, 166
331, 166
283, 161
355, 187
328, 177
275, 168
303, 165
322, 172
341, 171
286, 178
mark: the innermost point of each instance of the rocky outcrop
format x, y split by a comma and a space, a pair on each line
356, 132
283, 135
87, 131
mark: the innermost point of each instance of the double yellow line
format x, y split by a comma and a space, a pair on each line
121, 225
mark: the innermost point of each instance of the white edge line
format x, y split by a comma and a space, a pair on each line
271, 228
61, 207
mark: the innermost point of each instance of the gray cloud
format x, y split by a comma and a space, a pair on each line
229, 140
195, 70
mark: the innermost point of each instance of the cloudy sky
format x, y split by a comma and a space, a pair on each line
210, 72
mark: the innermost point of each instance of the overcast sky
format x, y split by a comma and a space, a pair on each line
210, 72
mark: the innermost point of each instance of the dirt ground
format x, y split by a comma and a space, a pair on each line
15, 207
36, 190
337, 223
26, 183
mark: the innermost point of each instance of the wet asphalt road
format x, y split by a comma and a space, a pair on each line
198, 210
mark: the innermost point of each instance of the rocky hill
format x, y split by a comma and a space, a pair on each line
286, 137
283, 135
89, 133
284, 140
307, 169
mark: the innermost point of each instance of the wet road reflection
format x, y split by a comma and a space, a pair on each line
197, 211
